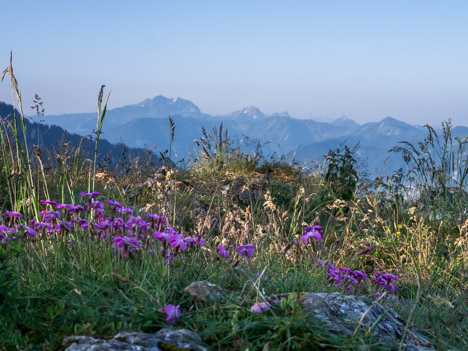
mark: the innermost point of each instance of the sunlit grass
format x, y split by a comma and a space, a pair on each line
72, 279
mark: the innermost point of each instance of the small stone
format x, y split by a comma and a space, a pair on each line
204, 291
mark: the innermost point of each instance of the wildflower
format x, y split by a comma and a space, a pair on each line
178, 241
84, 224
317, 228
114, 203
222, 252
67, 226
48, 202
191, 241
3, 233
97, 205
172, 313
359, 275
160, 236
49, 216
152, 217
92, 195
75, 209
29, 232
128, 211
245, 251
320, 263
311, 232
384, 280
136, 223
341, 275
260, 307
102, 225
200, 241
118, 223
127, 243
13, 214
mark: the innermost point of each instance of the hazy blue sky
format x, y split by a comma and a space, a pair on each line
363, 59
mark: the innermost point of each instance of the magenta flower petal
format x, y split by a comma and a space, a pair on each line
245, 251
256, 308
13, 214
48, 202
92, 195
223, 252
172, 313
259, 307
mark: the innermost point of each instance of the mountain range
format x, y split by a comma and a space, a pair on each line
54, 143
145, 124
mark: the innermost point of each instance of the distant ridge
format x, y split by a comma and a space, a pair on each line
145, 125
52, 138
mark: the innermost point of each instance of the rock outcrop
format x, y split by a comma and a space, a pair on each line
349, 315
163, 340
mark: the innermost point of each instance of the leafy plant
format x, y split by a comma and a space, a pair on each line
341, 174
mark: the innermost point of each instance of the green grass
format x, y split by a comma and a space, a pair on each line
72, 283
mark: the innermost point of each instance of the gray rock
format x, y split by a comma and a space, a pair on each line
204, 291
163, 340
347, 314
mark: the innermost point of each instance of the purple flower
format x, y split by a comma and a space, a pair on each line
172, 313
13, 214
195, 241
153, 217
84, 224
128, 211
222, 252
260, 307
49, 216
169, 235
178, 241
48, 202
76, 209
102, 225
311, 232
114, 203
67, 226
384, 280
92, 195
98, 205
391, 288
29, 232
341, 275
245, 251
3, 233
160, 236
127, 243
359, 275
191, 241
321, 263
118, 223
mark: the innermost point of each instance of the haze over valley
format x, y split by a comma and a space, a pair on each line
145, 125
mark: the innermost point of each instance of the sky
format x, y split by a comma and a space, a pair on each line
315, 59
